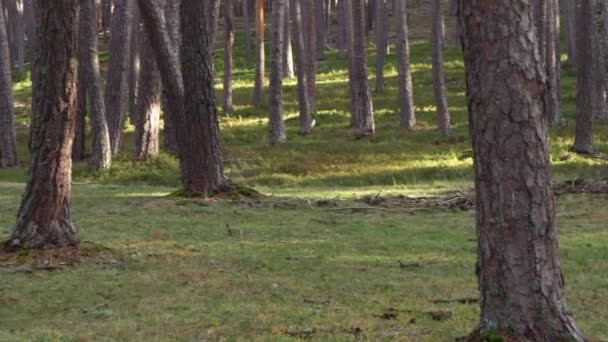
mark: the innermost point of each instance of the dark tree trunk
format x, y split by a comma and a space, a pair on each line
520, 277
102, 154
212, 8
406, 96
361, 101
599, 36
381, 43
8, 144
228, 60
106, 16
191, 98
118, 67
439, 88
342, 22
307, 11
276, 126
320, 28
44, 219
18, 29
583, 139
258, 91
288, 71
299, 54
173, 27
146, 140
570, 10
134, 64
247, 23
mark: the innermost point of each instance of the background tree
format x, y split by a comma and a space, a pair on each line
320, 28
258, 90
102, 154
276, 126
8, 143
306, 124
44, 218
520, 278
583, 139
406, 96
309, 27
381, 43
439, 88
172, 21
288, 68
228, 60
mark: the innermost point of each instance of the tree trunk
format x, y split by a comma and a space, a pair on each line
299, 54
247, 23
172, 21
106, 16
520, 278
552, 61
258, 91
213, 18
134, 64
102, 154
80, 127
320, 28
118, 66
361, 101
439, 88
276, 126
228, 60
570, 10
381, 43
18, 24
287, 50
44, 219
406, 96
8, 143
342, 22
307, 11
599, 37
146, 140
583, 139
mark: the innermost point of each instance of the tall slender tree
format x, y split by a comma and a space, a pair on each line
8, 143
247, 22
583, 139
439, 87
102, 154
309, 27
228, 60
258, 90
406, 96
288, 68
381, 43
276, 126
306, 123
520, 277
172, 20
320, 28
44, 218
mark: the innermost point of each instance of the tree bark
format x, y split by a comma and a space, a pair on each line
552, 61
520, 277
172, 20
307, 11
599, 36
106, 16
299, 54
258, 91
406, 96
118, 66
44, 219
276, 126
439, 88
146, 139
8, 143
80, 128
361, 101
381, 43
342, 22
320, 28
134, 64
583, 139
288, 71
570, 10
247, 23
102, 154
228, 60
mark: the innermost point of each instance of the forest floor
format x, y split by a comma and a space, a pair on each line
305, 260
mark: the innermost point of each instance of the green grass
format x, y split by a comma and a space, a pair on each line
176, 274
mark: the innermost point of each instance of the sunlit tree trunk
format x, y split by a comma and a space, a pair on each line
299, 54
276, 126
439, 88
258, 90
406, 96
288, 71
583, 138
44, 220
381, 43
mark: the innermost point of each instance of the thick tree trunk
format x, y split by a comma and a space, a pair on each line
307, 11
118, 67
288, 71
8, 144
172, 21
228, 60
361, 101
299, 54
320, 28
146, 139
583, 139
258, 91
276, 126
44, 219
381, 43
102, 154
520, 277
406, 95
439, 88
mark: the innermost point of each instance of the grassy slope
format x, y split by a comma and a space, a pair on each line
177, 275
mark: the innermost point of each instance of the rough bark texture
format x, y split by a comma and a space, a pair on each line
258, 90
276, 126
299, 54
173, 27
118, 67
583, 139
406, 95
44, 219
381, 43
146, 139
288, 71
8, 144
520, 277
439, 88
228, 60
361, 101
102, 154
